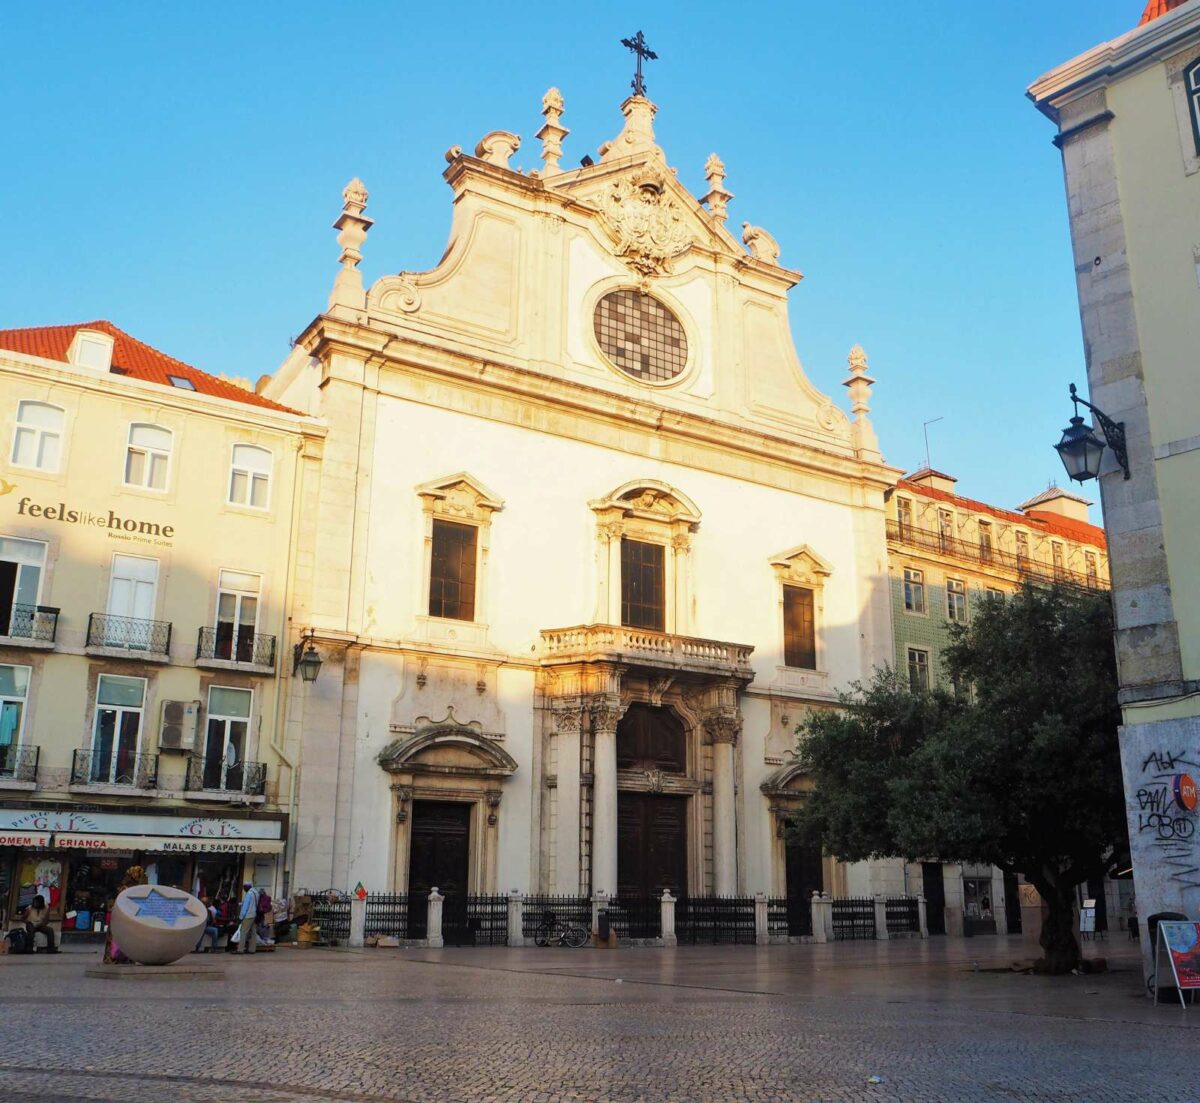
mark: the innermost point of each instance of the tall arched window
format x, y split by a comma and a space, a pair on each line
37, 441
148, 456
1191, 83
250, 477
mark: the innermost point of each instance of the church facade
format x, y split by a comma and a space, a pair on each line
584, 545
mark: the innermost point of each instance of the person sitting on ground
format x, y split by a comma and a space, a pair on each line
212, 930
37, 917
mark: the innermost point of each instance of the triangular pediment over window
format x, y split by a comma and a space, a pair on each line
462, 495
802, 564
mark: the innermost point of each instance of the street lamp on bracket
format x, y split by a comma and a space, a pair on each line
306, 663
1081, 449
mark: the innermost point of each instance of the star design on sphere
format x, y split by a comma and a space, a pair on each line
156, 905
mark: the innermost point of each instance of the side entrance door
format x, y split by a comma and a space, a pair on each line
651, 845
804, 877
439, 858
933, 885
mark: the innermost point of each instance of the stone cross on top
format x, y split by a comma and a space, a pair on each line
638, 45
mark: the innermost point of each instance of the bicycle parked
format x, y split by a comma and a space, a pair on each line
552, 931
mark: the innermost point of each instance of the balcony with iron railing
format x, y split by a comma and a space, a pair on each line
989, 556
215, 777
117, 768
33, 626
129, 637
226, 647
19, 764
646, 648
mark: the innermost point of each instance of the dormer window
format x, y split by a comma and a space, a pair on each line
91, 349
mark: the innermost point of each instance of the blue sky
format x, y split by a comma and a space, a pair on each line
175, 168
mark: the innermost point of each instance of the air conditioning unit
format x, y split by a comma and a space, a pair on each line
178, 729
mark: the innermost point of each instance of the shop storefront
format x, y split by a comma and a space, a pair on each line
77, 861
979, 916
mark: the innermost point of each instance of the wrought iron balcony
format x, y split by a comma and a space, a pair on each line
224, 644
990, 556
114, 767
643, 647
215, 775
19, 763
37, 623
151, 637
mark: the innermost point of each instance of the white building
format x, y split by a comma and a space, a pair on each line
584, 545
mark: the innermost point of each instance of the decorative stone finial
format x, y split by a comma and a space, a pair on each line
552, 132
497, 147
352, 226
638, 134
761, 244
859, 383
717, 198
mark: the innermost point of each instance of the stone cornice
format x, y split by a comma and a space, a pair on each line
409, 356
1135, 50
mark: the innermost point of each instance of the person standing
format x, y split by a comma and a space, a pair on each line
248, 920
37, 917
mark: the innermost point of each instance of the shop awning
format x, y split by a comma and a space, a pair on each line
170, 844
24, 838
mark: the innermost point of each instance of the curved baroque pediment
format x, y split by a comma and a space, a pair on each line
447, 748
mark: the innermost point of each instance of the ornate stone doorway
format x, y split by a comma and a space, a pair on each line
439, 854
652, 847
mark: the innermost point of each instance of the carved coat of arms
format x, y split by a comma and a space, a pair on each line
648, 226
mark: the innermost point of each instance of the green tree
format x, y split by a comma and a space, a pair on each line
1023, 772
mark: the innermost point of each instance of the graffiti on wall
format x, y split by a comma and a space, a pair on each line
1166, 814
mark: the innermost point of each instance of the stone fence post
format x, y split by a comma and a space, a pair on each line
881, 930
668, 919
822, 917
922, 917
762, 935
599, 901
516, 919
358, 922
433, 927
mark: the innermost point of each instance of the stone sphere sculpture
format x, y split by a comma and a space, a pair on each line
157, 924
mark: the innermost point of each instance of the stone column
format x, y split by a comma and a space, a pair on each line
606, 712
433, 929
723, 727
516, 918
668, 919
881, 930
567, 723
762, 933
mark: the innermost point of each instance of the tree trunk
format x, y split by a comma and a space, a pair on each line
1059, 946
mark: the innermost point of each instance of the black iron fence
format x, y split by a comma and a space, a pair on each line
700, 919
150, 636
854, 918
789, 917
114, 766
565, 909
19, 763
636, 916
29, 622
331, 912
240, 646
217, 775
387, 913
475, 920
903, 915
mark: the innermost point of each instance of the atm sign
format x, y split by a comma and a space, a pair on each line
1185, 792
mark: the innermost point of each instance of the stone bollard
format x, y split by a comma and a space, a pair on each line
516, 918
762, 934
668, 919
922, 917
599, 900
358, 922
881, 930
433, 925
819, 906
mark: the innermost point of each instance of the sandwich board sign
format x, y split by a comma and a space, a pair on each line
1179, 947
1087, 917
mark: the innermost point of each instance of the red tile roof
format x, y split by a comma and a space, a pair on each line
131, 357
1157, 8
1035, 520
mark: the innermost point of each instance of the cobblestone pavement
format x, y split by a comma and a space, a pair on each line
809, 1023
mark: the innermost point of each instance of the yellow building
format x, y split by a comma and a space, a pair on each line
946, 554
146, 511
1128, 114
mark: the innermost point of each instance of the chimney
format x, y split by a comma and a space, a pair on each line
934, 480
